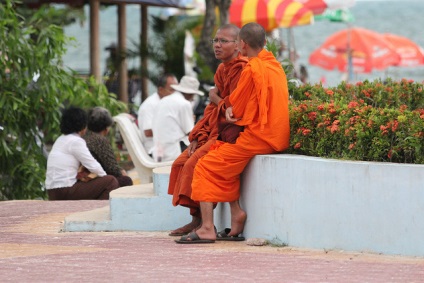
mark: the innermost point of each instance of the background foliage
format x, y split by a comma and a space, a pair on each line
30, 112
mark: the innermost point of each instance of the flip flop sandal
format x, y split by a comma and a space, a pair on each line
193, 238
223, 236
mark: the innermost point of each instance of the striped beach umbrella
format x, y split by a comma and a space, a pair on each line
270, 14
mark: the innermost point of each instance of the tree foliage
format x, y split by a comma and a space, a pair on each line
34, 86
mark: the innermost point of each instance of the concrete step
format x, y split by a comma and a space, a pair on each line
87, 220
144, 207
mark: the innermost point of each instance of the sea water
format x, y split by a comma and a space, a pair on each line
403, 17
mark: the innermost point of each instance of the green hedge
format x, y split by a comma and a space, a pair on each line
368, 121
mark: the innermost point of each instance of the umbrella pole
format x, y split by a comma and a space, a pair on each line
349, 58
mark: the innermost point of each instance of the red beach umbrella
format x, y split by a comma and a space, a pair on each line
369, 50
319, 6
316, 6
411, 54
270, 14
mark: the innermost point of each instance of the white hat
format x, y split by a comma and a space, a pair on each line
188, 85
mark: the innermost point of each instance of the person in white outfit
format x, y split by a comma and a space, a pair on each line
68, 153
147, 109
174, 119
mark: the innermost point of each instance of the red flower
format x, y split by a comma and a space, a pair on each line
352, 104
366, 93
312, 116
297, 145
383, 130
395, 125
403, 107
335, 126
306, 132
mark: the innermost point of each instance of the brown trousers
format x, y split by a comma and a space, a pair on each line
124, 181
98, 188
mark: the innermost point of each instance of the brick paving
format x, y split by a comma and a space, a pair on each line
33, 249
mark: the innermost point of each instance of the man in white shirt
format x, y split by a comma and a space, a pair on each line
174, 119
147, 109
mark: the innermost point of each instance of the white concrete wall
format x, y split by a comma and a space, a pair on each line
331, 204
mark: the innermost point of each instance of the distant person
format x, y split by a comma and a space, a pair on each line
303, 74
112, 66
174, 119
99, 123
67, 155
260, 104
301, 77
147, 109
112, 61
205, 132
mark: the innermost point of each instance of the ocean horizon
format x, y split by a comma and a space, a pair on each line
385, 16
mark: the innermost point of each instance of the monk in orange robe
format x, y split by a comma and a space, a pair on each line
205, 132
260, 104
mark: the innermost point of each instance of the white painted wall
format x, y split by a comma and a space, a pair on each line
331, 204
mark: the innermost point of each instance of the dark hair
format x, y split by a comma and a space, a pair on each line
74, 120
162, 80
253, 34
99, 119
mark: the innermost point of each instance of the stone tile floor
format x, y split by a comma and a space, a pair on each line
33, 249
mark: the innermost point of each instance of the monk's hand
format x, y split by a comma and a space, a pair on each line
214, 96
229, 115
192, 147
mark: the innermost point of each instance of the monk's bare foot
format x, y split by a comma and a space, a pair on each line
186, 228
237, 223
206, 233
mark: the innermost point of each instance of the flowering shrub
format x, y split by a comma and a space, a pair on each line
367, 121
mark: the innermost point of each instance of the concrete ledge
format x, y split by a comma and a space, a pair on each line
145, 207
321, 203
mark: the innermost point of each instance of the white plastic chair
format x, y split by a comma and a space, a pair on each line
144, 164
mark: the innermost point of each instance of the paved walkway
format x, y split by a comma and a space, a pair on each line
33, 249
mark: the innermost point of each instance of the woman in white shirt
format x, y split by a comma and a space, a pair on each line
68, 153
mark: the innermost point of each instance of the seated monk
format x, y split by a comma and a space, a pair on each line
260, 105
205, 132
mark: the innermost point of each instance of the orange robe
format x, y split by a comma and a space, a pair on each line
205, 132
261, 101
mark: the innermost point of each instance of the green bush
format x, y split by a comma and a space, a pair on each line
30, 111
369, 121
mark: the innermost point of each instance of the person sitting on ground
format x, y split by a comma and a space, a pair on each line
99, 123
174, 119
67, 155
147, 109
260, 104
205, 132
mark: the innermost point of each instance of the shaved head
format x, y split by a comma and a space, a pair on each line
232, 29
253, 34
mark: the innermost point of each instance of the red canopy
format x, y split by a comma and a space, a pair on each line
411, 54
